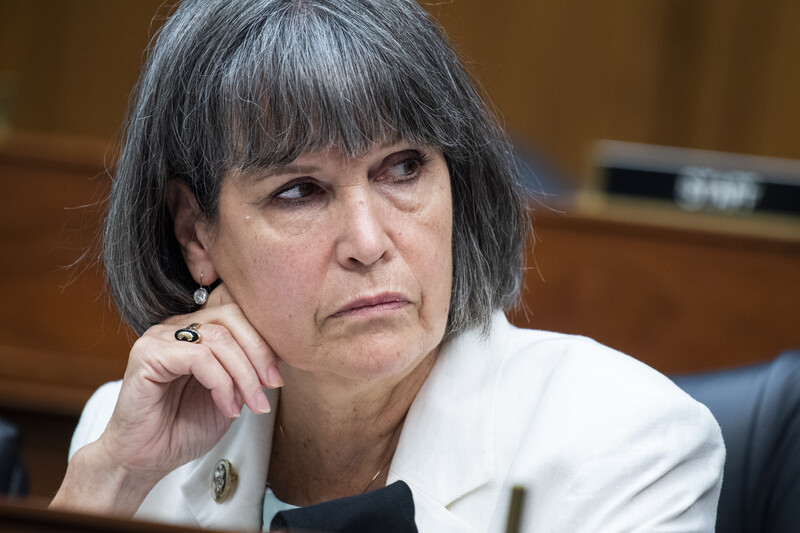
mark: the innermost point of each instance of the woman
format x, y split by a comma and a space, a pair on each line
329, 168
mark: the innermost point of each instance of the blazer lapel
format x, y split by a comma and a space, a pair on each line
446, 449
247, 446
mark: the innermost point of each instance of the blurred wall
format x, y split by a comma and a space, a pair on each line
71, 64
714, 74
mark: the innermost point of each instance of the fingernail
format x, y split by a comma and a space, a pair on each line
262, 404
237, 404
274, 378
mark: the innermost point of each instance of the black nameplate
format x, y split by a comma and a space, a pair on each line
699, 181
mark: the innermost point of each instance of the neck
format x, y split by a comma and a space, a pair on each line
333, 439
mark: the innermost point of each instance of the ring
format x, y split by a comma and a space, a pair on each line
188, 334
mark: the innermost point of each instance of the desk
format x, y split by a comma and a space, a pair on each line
33, 517
681, 299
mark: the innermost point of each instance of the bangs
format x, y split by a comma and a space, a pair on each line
314, 79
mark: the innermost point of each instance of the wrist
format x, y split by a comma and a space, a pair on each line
96, 483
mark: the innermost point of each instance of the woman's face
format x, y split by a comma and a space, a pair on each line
343, 265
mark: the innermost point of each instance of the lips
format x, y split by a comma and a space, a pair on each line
385, 302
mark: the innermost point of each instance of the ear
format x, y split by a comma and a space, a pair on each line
191, 231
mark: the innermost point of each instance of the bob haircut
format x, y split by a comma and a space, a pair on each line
244, 84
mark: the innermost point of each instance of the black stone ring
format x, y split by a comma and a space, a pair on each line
188, 334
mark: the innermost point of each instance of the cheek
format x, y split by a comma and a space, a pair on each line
291, 276
444, 258
443, 227
434, 263
274, 279
436, 247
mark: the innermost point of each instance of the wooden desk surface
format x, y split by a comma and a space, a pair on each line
32, 516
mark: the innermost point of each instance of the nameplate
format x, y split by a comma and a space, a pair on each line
698, 180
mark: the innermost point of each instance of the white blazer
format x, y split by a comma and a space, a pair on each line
602, 443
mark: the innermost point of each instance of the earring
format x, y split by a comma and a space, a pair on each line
200, 296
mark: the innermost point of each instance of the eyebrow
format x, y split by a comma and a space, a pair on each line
263, 173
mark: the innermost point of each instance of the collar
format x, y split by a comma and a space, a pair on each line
446, 449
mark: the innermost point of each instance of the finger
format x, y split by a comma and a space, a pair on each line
258, 351
227, 350
163, 361
211, 374
221, 308
263, 359
239, 399
219, 296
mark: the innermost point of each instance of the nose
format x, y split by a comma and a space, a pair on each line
363, 238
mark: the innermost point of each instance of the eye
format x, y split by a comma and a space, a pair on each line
297, 192
406, 166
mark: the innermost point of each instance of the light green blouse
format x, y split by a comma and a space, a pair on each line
272, 506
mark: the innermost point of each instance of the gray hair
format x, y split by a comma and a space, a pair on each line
238, 84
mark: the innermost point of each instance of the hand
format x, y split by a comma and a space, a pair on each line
178, 399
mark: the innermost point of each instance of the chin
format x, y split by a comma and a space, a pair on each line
382, 357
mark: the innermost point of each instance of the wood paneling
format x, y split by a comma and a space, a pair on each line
59, 336
679, 299
74, 62
716, 74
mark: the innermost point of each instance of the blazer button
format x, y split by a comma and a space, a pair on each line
223, 482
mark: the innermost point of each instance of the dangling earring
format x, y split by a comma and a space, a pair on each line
200, 295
